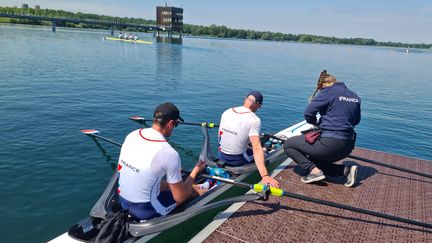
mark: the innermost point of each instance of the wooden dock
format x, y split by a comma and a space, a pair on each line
290, 220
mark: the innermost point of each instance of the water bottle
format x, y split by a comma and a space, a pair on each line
210, 183
216, 171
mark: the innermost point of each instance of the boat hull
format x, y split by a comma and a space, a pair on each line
132, 41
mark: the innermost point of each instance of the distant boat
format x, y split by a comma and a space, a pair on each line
407, 50
134, 41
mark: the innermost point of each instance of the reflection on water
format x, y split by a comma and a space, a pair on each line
168, 66
108, 157
169, 40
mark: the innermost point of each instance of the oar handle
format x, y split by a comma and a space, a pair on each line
273, 190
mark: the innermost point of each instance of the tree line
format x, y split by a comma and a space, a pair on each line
199, 30
225, 32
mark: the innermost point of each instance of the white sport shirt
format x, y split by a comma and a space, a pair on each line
144, 160
236, 126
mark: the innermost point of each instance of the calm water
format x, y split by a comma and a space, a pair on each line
54, 84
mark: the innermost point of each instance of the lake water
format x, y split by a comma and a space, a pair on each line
52, 85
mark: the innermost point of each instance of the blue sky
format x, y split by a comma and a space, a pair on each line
383, 20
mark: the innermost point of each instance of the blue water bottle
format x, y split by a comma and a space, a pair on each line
216, 171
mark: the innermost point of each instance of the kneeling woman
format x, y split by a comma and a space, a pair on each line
339, 108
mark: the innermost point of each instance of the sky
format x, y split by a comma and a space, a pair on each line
383, 20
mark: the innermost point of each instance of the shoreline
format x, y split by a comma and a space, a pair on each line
221, 38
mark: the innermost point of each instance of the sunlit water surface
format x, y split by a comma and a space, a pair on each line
54, 84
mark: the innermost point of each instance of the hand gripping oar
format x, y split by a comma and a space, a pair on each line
374, 162
143, 121
95, 134
279, 192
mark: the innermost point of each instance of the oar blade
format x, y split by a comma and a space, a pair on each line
90, 131
140, 120
137, 118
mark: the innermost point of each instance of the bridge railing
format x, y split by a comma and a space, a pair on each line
73, 20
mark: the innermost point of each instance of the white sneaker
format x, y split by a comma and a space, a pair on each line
351, 177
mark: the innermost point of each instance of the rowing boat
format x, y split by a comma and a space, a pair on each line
133, 41
87, 229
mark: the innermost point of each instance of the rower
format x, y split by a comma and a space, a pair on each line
120, 35
135, 37
125, 36
239, 126
145, 158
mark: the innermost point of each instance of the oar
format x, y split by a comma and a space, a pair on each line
279, 192
374, 162
143, 121
95, 133
390, 166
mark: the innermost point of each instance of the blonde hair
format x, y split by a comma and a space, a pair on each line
324, 79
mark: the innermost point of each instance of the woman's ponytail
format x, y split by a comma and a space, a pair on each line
319, 85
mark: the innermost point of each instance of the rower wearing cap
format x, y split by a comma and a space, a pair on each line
145, 159
239, 126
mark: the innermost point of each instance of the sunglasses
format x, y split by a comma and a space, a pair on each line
176, 123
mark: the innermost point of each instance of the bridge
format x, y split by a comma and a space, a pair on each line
55, 20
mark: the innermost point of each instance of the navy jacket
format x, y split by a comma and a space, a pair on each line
339, 108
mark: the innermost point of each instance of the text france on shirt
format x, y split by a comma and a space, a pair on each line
124, 163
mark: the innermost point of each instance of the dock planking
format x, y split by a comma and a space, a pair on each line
379, 189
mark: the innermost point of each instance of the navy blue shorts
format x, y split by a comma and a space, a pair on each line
235, 159
144, 211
